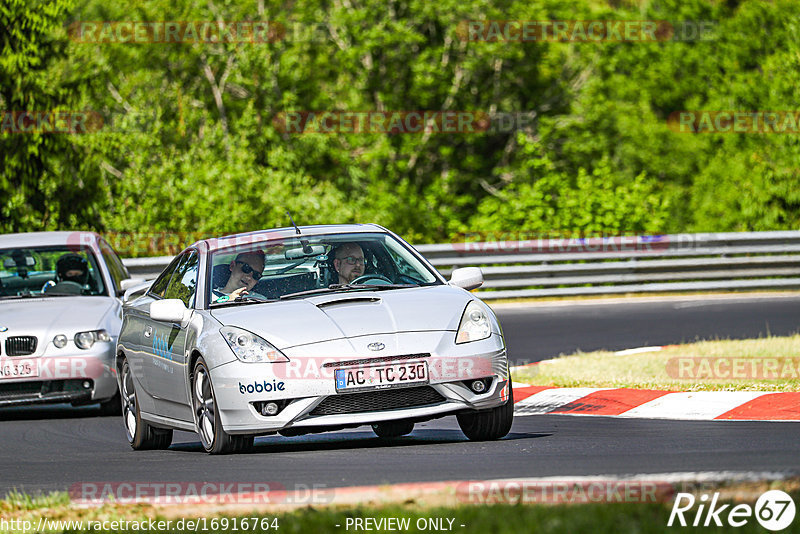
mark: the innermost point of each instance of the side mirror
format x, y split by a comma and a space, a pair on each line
129, 292
467, 277
170, 311
131, 282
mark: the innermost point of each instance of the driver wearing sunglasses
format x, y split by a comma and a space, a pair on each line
246, 271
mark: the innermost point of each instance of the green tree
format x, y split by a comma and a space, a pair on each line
46, 180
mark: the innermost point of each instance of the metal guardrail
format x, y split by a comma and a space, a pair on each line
614, 265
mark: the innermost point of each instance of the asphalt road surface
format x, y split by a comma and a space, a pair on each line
543, 331
54, 448
64, 448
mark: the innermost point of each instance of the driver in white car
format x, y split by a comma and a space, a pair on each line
72, 268
348, 262
246, 271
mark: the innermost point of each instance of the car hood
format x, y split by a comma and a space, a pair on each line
54, 315
349, 314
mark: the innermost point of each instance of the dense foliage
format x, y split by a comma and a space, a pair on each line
192, 143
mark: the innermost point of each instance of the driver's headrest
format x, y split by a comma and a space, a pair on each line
220, 275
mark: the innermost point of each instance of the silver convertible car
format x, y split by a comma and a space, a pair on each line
310, 329
60, 315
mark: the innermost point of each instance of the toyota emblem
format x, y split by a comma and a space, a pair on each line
376, 346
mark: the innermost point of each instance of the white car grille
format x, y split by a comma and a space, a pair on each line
376, 401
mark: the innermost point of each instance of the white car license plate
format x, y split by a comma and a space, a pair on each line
14, 368
381, 376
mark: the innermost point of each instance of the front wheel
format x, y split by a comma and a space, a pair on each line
490, 424
213, 437
141, 435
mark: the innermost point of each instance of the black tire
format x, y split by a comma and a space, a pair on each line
393, 429
141, 435
490, 424
112, 406
213, 437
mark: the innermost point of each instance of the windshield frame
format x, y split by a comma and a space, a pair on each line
379, 237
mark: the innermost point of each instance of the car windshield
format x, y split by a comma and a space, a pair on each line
49, 271
301, 265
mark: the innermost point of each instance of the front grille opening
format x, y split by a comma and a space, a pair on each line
377, 401
44, 387
20, 345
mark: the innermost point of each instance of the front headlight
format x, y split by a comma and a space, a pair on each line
249, 347
85, 340
474, 325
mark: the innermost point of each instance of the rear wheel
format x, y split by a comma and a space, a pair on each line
213, 437
140, 435
490, 424
393, 429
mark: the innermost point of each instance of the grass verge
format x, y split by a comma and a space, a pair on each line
765, 364
499, 519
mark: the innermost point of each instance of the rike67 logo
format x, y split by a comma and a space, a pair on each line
774, 510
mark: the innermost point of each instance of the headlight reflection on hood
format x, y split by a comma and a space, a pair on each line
474, 325
249, 347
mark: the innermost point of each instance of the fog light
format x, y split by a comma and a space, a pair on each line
478, 386
269, 408
60, 341
86, 384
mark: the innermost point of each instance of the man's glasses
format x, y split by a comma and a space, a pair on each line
246, 269
352, 260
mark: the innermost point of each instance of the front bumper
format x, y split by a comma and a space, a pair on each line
63, 375
315, 405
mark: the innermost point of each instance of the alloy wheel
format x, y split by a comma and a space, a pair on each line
128, 402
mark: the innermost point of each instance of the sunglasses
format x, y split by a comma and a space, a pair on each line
352, 260
246, 269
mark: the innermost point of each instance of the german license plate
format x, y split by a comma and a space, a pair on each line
14, 368
381, 376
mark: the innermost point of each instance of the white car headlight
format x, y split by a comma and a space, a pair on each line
85, 340
475, 324
249, 347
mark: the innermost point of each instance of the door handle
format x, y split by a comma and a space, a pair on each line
148, 331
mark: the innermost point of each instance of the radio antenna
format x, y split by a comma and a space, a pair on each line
293, 224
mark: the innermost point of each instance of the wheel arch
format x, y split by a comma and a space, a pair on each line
191, 362
193, 357
119, 357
